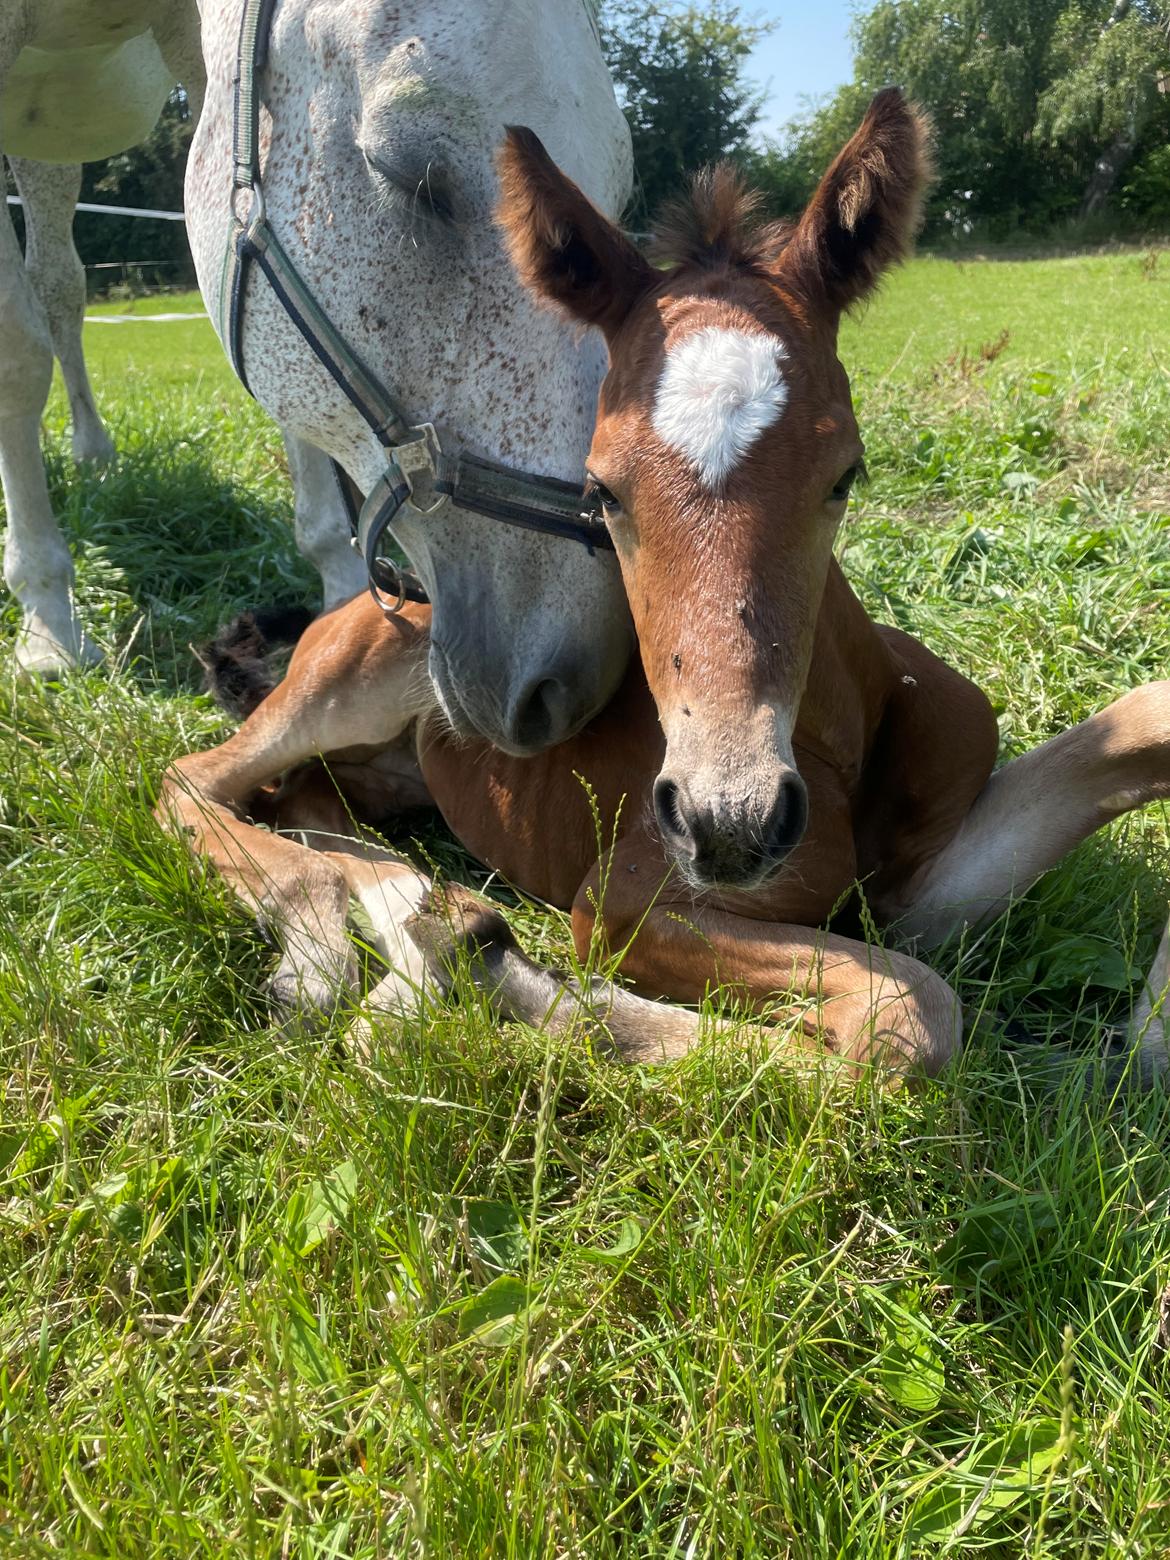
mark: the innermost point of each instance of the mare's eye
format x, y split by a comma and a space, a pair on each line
599, 495
844, 483
424, 184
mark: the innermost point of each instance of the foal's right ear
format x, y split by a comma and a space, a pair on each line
563, 249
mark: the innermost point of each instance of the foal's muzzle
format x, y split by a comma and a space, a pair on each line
719, 843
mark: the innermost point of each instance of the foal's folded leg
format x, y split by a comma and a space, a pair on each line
1030, 814
353, 680
455, 926
1034, 810
823, 995
391, 892
297, 894
1149, 1024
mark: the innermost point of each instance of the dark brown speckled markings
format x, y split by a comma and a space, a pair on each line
379, 128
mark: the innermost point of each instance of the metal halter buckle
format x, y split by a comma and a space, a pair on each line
420, 457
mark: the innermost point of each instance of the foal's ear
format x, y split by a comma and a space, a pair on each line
867, 208
561, 245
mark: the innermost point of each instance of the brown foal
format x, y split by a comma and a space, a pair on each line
774, 748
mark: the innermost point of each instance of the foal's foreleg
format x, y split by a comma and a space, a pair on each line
353, 681
1035, 809
296, 893
452, 922
823, 995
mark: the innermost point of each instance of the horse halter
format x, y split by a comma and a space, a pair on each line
412, 450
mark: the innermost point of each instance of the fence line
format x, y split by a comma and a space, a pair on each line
114, 211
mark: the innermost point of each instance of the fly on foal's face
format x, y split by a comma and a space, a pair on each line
723, 455
722, 460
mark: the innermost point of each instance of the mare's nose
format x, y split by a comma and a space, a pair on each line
717, 842
541, 715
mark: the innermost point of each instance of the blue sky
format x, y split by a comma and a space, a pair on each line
806, 55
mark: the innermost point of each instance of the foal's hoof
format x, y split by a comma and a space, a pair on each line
306, 1001
452, 920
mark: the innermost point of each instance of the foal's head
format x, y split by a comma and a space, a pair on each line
724, 452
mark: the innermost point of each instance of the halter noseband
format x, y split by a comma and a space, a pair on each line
412, 450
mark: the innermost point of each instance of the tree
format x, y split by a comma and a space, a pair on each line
680, 77
1038, 105
1106, 77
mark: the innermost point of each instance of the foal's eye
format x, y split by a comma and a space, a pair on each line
844, 484
599, 496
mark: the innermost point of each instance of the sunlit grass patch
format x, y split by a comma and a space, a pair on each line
491, 1295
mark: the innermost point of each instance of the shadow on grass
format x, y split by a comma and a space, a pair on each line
167, 548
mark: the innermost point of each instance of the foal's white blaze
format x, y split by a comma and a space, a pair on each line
718, 391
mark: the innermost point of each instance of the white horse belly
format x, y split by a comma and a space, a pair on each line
80, 104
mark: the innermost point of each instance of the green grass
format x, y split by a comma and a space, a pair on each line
495, 1297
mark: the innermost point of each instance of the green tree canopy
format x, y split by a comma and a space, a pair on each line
1039, 106
680, 74
149, 175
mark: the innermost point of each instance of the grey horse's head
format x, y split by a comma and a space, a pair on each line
378, 136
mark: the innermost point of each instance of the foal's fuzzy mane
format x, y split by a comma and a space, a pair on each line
717, 222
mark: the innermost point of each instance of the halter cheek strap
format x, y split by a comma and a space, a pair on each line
412, 451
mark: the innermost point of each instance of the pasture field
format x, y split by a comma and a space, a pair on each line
490, 1296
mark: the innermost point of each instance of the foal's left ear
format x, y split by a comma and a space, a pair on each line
562, 247
867, 208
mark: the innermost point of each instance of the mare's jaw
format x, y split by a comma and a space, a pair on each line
526, 714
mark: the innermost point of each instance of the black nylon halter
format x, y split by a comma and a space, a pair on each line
497, 492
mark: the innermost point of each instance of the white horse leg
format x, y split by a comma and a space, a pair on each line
37, 566
322, 524
50, 192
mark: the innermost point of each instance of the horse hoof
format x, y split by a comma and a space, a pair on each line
98, 450
42, 655
307, 1000
453, 919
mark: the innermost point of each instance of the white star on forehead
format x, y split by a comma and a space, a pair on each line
718, 391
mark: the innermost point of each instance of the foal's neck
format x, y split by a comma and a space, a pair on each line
849, 681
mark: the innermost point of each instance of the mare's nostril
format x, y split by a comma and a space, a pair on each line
669, 815
540, 718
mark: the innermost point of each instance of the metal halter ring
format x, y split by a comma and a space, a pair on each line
386, 576
390, 494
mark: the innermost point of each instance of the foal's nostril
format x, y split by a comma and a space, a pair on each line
669, 815
789, 817
722, 843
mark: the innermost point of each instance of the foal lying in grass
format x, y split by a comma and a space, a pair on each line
774, 746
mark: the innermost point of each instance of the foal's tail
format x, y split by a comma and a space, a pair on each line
237, 669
